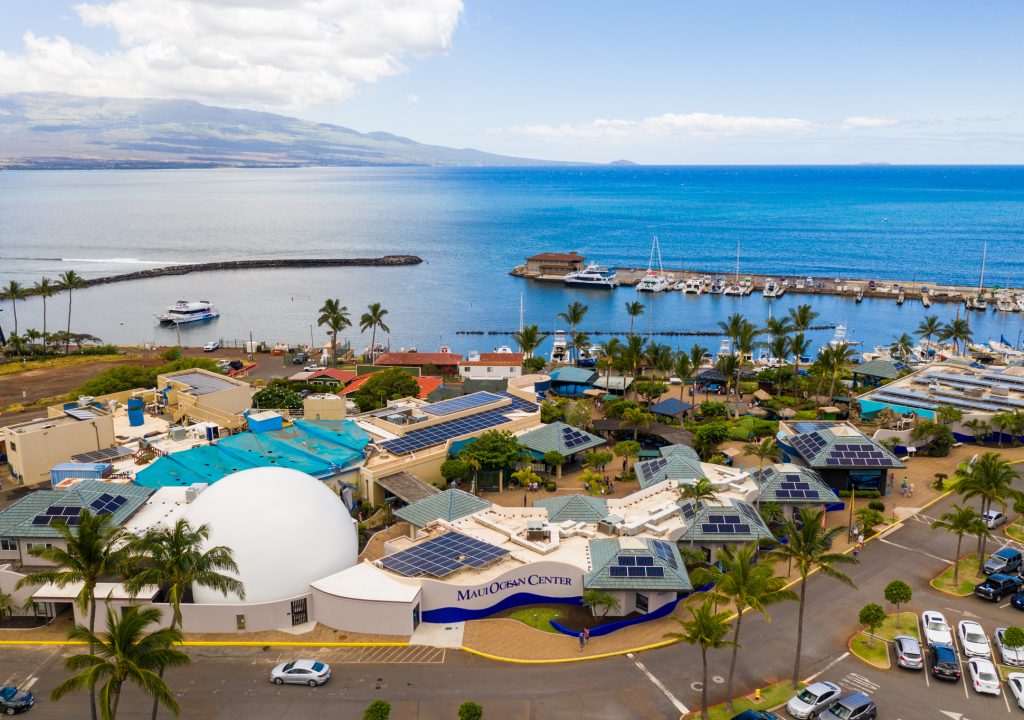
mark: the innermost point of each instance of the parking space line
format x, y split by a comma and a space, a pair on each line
1003, 692
658, 684
828, 667
915, 550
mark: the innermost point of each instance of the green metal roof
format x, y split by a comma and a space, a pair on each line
578, 508
821, 451
605, 553
614, 382
771, 477
16, 521
879, 368
751, 519
553, 437
575, 375
678, 462
448, 505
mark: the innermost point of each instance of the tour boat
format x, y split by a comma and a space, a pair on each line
654, 280
593, 276
184, 311
559, 348
693, 286
717, 286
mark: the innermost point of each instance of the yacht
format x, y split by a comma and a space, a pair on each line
559, 348
654, 280
1005, 303
724, 349
717, 286
977, 302
693, 286
593, 276
184, 311
733, 290
772, 289
838, 338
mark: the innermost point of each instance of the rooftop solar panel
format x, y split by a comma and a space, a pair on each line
663, 550
617, 571
627, 560
104, 455
463, 402
636, 572
655, 572
644, 560
443, 555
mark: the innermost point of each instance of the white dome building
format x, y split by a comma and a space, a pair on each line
285, 527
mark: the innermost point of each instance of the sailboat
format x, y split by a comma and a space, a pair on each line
736, 288
978, 302
654, 280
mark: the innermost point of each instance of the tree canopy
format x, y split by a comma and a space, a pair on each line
130, 377
493, 449
390, 384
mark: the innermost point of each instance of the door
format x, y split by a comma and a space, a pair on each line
299, 614
416, 617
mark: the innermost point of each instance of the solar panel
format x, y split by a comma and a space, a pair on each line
689, 510
663, 550
636, 572
627, 560
616, 571
655, 572
442, 432
104, 455
644, 560
463, 402
443, 555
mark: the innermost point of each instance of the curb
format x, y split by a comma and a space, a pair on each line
933, 586
849, 646
228, 643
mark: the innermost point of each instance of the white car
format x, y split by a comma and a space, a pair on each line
1009, 656
211, 346
1016, 682
675, 380
814, 698
936, 629
973, 640
994, 518
984, 678
313, 368
301, 672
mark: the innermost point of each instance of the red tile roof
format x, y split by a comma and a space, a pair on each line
556, 257
336, 373
418, 358
494, 358
427, 385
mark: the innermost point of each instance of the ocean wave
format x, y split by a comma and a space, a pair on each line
120, 261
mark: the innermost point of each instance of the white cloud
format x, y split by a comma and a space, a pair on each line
271, 53
412, 98
689, 124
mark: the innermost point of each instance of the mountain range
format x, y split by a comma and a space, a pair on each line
55, 131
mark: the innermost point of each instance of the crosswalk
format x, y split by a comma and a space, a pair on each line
412, 654
859, 683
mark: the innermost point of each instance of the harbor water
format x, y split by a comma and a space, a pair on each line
471, 226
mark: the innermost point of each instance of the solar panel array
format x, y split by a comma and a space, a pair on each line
749, 510
808, 444
689, 510
104, 455
107, 504
573, 438
858, 455
794, 487
724, 524
443, 555
663, 550
437, 434
806, 426
927, 402
518, 403
635, 566
67, 513
463, 402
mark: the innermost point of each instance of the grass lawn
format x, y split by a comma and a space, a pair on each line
876, 654
10, 368
968, 577
1015, 531
907, 626
538, 617
771, 696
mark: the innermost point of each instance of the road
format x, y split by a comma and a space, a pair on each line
426, 684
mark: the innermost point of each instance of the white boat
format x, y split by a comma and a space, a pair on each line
717, 286
1005, 303
1004, 349
724, 350
693, 286
559, 348
654, 280
733, 290
184, 311
1020, 303
593, 276
978, 302
504, 349
838, 338
773, 290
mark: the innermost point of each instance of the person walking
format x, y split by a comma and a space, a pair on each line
582, 641
586, 635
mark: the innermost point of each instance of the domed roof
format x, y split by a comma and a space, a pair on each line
285, 528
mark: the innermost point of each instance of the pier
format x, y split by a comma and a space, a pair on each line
625, 333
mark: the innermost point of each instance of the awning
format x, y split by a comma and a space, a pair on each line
762, 395
406, 487
594, 393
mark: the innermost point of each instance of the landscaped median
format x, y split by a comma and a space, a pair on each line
969, 574
1015, 530
772, 697
875, 651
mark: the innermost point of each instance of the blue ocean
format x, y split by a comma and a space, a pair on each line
473, 225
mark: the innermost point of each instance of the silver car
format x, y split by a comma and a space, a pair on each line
908, 652
1009, 656
301, 672
812, 700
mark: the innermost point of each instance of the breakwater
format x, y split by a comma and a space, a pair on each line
663, 333
383, 261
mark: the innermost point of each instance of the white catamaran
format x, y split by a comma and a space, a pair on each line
184, 311
654, 280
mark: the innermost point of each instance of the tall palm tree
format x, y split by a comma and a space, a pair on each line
95, 549
777, 327
799, 345
809, 547
697, 354
579, 340
979, 428
634, 309
961, 520
902, 346
779, 346
701, 490
730, 366
959, 331
739, 579
836, 359
631, 357
731, 328
574, 315
1002, 421
990, 479
683, 368
14, 292
928, 327
528, 339
373, 318
45, 288
636, 418
746, 341
802, 316
126, 652
177, 560
70, 280
335, 317
707, 630
609, 354
767, 449
659, 357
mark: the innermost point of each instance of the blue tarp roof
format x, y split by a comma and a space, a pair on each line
575, 375
669, 407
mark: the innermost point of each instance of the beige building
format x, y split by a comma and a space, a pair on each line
492, 366
196, 396
35, 446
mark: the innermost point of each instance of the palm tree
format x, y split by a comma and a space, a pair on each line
609, 353
659, 357
929, 326
176, 560
1002, 421
32, 335
979, 428
990, 479
836, 359
902, 346
958, 330
70, 280
777, 327
706, 629
95, 549
636, 418
700, 491
579, 340
126, 652
961, 520
631, 357
373, 318
731, 328
335, 316
799, 345
809, 547
802, 316
45, 288
573, 315
730, 366
767, 449
528, 339
634, 309
14, 292
746, 341
684, 370
747, 584
779, 346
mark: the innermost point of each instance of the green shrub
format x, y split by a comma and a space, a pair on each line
469, 710
713, 409
860, 494
377, 710
171, 354
748, 387
277, 397
877, 505
551, 486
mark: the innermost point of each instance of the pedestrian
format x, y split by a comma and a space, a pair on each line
586, 635
910, 490
903, 488
856, 550
582, 641
860, 539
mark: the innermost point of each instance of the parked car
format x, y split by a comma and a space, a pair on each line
908, 652
14, 701
812, 700
756, 715
944, 663
300, 358
1003, 562
314, 368
1009, 656
852, 707
994, 518
1015, 681
973, 639
984, 678
1018, 600
301, 672
211, 346
936, 629
996, 586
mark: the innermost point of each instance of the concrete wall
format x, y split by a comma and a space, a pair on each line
627, 601
381, 618
490, 372
32, 452
28, 559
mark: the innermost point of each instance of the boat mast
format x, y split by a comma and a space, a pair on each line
737, 278
520, 311
984, 256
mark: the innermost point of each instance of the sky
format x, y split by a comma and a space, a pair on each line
723, 81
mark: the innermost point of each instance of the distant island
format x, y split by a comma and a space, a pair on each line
55, 131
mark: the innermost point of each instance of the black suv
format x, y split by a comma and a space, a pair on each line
996, 586
944, 663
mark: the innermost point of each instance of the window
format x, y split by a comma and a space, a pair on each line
13, 446
641, 603
8, 544
29, 546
